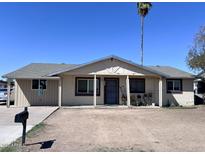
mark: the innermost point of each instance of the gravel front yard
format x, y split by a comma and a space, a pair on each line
122, 130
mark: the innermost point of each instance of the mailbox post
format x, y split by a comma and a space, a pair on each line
22, 118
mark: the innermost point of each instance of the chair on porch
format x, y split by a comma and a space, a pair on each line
139, 100
133, 100
147, 99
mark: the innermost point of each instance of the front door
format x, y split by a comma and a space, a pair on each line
111, 93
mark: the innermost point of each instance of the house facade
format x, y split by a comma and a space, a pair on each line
107, 81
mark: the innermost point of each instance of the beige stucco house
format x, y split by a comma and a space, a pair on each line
107, 81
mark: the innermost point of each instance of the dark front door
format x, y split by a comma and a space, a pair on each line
111, 94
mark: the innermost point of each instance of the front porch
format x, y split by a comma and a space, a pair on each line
127, 98
110, 91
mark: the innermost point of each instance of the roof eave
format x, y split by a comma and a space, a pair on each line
51, 78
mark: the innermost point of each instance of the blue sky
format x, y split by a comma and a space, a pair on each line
80, 32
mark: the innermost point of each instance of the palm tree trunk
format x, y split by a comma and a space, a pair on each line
142, 40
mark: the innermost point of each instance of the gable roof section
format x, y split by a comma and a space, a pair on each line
43, 70
106, 58
37, 70
172, 72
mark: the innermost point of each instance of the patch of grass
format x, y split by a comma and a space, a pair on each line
35, 130
16, 145
8, 148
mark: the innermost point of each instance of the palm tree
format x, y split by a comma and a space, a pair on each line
143, 9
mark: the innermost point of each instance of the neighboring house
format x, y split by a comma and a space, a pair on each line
100, 82
199, 88
3, 84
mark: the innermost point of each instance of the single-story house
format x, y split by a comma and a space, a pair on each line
106, 81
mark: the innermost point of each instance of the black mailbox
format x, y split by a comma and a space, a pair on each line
21, 117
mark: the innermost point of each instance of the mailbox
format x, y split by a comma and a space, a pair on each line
21, 117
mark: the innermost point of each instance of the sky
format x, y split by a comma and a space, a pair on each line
80, 32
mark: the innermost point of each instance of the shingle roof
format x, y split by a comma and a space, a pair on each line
172, 72
106, 58
37, 70
41, 70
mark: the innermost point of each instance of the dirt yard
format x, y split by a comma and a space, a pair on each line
122, 130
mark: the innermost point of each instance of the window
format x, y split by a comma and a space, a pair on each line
174, 86
39, 84
35, 84
84, 86
137, 85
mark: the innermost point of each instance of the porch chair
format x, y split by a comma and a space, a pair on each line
139, 100
145, 98
133, 100
150, 98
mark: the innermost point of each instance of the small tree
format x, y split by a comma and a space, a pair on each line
196, 55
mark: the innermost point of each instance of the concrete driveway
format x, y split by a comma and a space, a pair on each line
122, 130
10, 131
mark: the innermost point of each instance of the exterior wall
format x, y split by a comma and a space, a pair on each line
186, 98
69, 98
25, 96
151, 86
68, 92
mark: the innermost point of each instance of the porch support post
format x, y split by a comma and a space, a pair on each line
160, 92
59, 92
94, 89
128, 90
8, 92
15, 92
